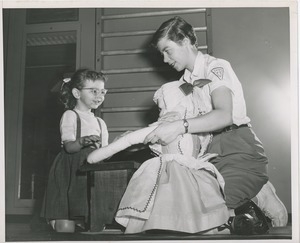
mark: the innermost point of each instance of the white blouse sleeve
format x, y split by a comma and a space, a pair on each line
68, 126
220, 73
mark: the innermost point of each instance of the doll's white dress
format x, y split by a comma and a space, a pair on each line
174, 191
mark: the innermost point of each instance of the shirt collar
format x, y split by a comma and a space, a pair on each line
86, 113
198, 70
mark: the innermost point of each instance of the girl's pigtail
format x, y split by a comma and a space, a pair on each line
65, 93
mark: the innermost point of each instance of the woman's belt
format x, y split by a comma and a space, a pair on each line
230, 128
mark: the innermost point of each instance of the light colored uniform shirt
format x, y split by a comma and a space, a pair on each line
220, 72
89, 126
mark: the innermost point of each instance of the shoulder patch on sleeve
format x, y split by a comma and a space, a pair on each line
219, 72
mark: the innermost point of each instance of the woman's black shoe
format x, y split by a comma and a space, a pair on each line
249, 220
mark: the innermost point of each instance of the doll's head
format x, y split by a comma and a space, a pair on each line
78, 82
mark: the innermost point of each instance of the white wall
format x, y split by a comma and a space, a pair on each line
256, 42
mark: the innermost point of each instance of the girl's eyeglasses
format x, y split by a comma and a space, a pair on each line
97, 92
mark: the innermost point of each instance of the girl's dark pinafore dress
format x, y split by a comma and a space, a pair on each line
66, 192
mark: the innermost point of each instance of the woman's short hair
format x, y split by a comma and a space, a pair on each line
175, 29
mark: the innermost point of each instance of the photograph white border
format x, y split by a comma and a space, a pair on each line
294, 69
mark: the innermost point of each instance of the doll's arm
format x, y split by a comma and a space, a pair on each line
122, 143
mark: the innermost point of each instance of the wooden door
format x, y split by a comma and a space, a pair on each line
43, 45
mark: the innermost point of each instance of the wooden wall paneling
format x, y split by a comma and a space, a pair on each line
123, 54
209, 32
99, 40
87, 38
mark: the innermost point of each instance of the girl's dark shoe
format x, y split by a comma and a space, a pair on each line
80, 228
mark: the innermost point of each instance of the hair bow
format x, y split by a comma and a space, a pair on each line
66, 80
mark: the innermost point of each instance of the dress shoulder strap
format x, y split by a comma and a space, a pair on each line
78, 130
99, 122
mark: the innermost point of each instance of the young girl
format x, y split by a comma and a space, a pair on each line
179, 190
65, 201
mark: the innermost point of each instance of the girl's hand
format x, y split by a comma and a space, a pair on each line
91, 140
165, 133
75, 146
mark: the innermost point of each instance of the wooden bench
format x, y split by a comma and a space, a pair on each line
107, 182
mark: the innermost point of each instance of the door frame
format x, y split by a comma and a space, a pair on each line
14, 90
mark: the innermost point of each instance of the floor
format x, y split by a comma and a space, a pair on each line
16, 232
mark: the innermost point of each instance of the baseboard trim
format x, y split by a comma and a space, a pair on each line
17, 218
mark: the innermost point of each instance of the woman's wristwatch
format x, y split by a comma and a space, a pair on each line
186, 125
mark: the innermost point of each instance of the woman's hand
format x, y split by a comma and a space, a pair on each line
165, 133
166, 118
